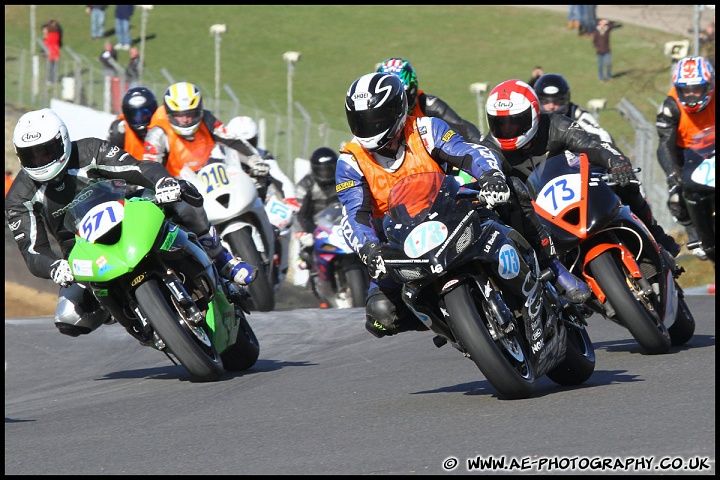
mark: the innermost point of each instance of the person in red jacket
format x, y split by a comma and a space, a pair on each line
52, 39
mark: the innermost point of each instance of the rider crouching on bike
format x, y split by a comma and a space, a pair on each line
688, 108
128, 130
246, 128
553, 91
54, 169
389, 145
316, 191
524, 137
183, 133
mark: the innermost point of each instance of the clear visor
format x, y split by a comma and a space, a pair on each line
692, 94
551, 104
186, 118
37, 156
511, 126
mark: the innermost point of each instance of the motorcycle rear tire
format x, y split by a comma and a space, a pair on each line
262, 295
513, 378
202, 361
244, 352
652, 335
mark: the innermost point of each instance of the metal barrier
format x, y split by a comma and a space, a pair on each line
90, 88
644, 155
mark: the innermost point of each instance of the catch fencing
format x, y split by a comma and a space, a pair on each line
84, 82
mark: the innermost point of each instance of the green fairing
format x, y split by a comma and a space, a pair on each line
225, 332
141, 225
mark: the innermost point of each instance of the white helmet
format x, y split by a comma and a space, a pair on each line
42, 144
513, 110
243, 127
184, 99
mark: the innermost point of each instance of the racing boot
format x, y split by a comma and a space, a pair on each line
569, 286
387, 315
230, 267
642, 209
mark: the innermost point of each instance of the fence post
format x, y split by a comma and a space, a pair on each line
77, 73
306, 132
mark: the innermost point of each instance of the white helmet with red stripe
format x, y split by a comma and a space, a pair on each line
512, 112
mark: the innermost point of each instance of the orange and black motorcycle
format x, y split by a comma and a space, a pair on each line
633, 279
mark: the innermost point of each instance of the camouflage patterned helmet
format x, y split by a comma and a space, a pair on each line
402, 69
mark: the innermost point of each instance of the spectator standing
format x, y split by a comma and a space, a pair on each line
122, 25
132, 71
97, 20
601, 42
537, 73
106, 59
52, 39
588, 20
573, 18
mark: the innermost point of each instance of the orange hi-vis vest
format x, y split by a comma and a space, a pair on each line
182, 152
693, 123
417, 160
133, 145
417, 111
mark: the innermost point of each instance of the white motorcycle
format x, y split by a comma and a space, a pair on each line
281, 217
232, 204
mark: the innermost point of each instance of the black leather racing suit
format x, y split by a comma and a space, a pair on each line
557, 133
433, 106
35, 211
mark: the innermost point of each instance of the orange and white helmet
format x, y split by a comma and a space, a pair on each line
512, 112
694, 80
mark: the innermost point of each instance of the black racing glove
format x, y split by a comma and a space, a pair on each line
190, 194
494, 189
621, 170
371, 255
677, 206
674, 180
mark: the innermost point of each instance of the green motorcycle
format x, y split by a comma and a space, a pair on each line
156, 280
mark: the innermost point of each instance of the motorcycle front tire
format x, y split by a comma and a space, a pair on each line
505, 363
684, 327
202, 361
652, 336
262, 294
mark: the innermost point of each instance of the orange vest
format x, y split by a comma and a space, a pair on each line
417, 160
133, 145
182, 152
8, 183
692, 123
417, 111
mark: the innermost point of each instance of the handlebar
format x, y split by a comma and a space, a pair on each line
608, 177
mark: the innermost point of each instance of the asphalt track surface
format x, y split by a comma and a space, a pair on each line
326, 397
